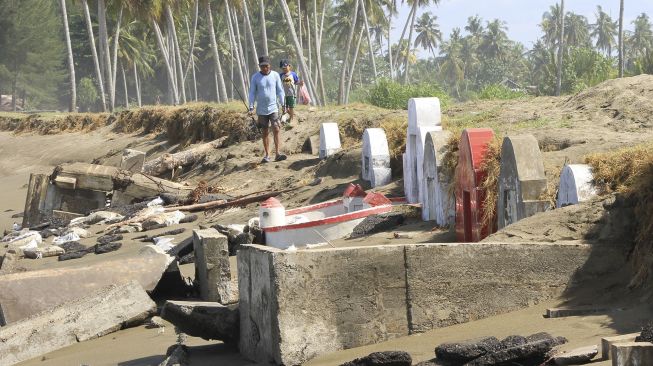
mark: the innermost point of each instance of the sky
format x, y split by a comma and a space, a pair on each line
522, 16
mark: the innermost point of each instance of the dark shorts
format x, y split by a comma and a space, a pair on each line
291, 101
271, 120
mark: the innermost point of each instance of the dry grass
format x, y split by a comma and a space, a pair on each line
491, 165
395, 131
629, 171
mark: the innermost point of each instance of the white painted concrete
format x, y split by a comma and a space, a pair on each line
375, 159
271, 213
423, 112
437, 203
329, 139
575, 185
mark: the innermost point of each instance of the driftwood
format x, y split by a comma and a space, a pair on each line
168, 162
224, 204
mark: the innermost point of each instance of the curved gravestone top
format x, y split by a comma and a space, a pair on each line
375, 142
575, 185
521, 180
423, 112
434, 146
329, 139
469, 195
435, 201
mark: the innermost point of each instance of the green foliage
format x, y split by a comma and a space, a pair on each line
392, 95
498, 91
87, 95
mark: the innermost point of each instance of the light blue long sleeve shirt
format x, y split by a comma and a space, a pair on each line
264, 91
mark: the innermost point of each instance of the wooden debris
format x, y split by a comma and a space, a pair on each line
168, 162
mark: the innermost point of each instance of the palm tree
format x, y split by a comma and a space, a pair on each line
428, 33
221, 87
343, 70
561, 45
604, 30
494, 41
71, 63
475, 26
621, 38
416, 5
641, 40
452, 70
96, 60
369, 38
551, 25
576, 31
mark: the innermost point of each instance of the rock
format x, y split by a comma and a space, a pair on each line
188, 218
432, 362
96, 217
72, 255
378, 223
466, 351
188, 258
155, 322
72, 246
578, 356
647, 333
101, 312
176, 355
512, 341
160, 220
105, 239
387, 358
106, 248
82, 233
536, 348
208, 320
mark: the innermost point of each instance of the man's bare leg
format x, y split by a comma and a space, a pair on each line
291, 112
266, 142
275, 136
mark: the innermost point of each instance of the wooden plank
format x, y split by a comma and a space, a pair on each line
36, 191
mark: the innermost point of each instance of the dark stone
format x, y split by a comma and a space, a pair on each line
208, 320
72, 255
378, 223
72, 246
188, 218
647, 333
108, 247
387, 358
188, 258
432, 362
257, 233
106, 239
172, 232
512, 341
240, 239
176, 355
459, 353
533, 352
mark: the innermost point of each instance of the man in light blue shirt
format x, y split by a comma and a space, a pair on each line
264, 90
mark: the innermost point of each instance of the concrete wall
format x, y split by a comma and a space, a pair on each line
300, 304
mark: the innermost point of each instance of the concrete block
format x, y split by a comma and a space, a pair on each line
521, 180
66, 182
212, 267
90, 176
575, 185
376, 158
23, 294
578, 356
208, 320
456, 283
607, 342
329, 139
632, 354
101, 312
132, 160
77, 201
563, 312
469, 193
437, 203
297, 305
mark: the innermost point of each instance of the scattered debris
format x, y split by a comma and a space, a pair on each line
378, 223
177, 355
108, 247
647, 333
49, 251
72, 255
169, 162
208, 320
73, 246
165, 233
387, 358
105, 239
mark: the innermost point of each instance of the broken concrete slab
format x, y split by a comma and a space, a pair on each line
632, 354
49, 251
132, 160
207, 320
607, 342
24, 294
99, 313
462, 352
562, 312
578, 356
35, 199
212, 266
386, 358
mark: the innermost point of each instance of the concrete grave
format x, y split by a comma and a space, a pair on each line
296, 305
132, 160
521, 180
469, 194
423, 114
632, 354
329, 139
607, 342
23, 294
376, 157
101, 312
212, 266
437, 203
575, 185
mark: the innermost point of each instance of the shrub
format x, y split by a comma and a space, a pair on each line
392, 95
498, 91
87, 95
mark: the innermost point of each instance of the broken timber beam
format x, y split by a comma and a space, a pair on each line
168, 162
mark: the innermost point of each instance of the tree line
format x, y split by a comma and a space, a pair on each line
108, 54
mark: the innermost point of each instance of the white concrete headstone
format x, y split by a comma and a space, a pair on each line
376, 158
437, 203
329, 139
575, 185
422, 113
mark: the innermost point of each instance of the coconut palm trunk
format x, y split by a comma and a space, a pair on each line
104, 50
241, 50
114, 68
138, 86
369, 39
235, 53
343, 71
410, 41
124, 84
96, 61
561, 47
250, 31
166, 61
353, 63
172, 30
302, 62
392, 69
264, 34
71, 63
192, 36
220, 85
621, 38
318, 48
413, 9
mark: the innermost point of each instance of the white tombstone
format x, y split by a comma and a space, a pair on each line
329, 139
422, 113
437, 203
376, 158
575, 185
